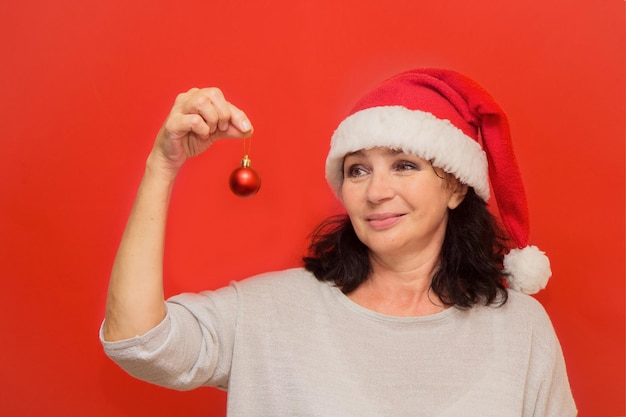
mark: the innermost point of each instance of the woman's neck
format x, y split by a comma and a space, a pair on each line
400, 287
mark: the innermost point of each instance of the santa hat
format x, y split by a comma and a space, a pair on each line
447, 118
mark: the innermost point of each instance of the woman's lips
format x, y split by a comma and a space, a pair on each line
383, 220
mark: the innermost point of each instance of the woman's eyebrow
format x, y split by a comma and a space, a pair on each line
360, 152
355, 153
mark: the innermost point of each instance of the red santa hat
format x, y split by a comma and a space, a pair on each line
447, 118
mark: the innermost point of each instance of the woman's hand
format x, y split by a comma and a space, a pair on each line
198, 118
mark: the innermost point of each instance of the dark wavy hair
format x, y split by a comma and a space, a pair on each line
470, 269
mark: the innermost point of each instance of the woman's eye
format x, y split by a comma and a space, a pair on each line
355, 171
406, 166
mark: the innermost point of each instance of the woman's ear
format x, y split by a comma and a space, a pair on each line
459, 191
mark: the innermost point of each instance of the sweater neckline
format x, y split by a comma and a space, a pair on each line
373, 315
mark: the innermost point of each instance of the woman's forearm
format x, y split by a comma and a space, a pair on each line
135, 302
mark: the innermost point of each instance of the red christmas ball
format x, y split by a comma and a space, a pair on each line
245, 181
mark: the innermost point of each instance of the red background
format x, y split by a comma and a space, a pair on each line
85, 85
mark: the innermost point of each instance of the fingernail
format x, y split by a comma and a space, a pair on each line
245, 125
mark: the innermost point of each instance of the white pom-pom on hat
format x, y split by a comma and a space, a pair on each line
527, 269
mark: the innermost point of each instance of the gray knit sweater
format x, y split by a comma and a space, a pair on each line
284, 344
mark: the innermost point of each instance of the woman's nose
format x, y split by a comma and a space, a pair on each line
380, 187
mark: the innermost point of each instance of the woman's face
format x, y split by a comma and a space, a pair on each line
397, 202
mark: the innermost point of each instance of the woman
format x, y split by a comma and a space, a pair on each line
401, 308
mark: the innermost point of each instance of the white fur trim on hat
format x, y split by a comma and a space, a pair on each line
528, 269
412, 131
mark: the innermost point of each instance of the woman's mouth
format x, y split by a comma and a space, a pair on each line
383, 220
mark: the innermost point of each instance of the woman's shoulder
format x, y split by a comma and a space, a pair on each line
522, 314
270, 291
290, 294
289, 274
264, 285
523, 306
289, 282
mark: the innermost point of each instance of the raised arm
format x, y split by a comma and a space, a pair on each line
135, 301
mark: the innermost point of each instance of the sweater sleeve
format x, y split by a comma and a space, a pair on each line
191, 347
548, 387
554, 397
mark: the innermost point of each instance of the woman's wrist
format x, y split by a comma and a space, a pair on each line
159, 169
